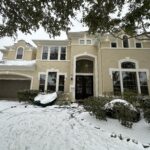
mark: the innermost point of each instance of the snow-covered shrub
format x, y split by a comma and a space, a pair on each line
96, 106
27, 95
122, 110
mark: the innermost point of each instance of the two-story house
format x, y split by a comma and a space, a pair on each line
83, 65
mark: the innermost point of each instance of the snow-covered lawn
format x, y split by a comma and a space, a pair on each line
27, 127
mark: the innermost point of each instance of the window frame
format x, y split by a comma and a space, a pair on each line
136, 70
17, 53
42, 73
113, 43
123, 41
49, 53
138, 43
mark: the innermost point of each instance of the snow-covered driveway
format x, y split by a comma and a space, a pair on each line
53, 128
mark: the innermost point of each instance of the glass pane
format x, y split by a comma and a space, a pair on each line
128, 65
88, 42
63, 53
19, 53
45, 52
125, 42
82, 42
130, 81
138, 45
42, 82
61, 82
84, 66
116, 82
54, 53
51, 85
143, 83
113, 44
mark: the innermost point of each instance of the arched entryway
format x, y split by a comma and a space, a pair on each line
84, 78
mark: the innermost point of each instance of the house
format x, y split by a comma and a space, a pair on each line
83, 65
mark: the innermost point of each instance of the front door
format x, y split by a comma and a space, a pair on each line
84, 86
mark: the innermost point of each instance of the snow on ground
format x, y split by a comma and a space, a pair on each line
27, 127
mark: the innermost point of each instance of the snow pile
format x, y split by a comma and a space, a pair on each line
17, 63
111, 104
50, 128
45, 98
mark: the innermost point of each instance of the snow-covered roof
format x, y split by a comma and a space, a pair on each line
17, 64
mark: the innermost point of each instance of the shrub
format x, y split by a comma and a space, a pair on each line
147, 115
63, 99
96, 106
131, 97
145, 104
123, 111
27, 95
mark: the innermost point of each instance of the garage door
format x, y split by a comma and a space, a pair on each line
9, 88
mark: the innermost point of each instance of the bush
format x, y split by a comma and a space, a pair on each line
27, 95
96, 106
63, 99
145, 104
131, 97
147, 115
126, 114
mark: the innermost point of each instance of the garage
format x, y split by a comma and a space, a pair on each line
11, 84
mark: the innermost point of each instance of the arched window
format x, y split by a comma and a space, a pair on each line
125, 41
128, 65
19, 53
84, 66
128, 77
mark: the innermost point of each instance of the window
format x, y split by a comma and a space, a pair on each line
128, 65
42, 82
61, 83
45, 53
51, 85
84, 66
138, 45
143, 83
19, 53
63, 53
129, 81
88, 42
128, 78
82, 42
113, 44
116, 82
54, 53
125, 41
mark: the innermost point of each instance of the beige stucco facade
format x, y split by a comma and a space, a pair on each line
79, 46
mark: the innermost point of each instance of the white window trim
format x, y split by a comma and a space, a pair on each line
17, 53
42, 52
116, 44
136, 70
138, 47
39, 74
128, 42
57, 77
49, 52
